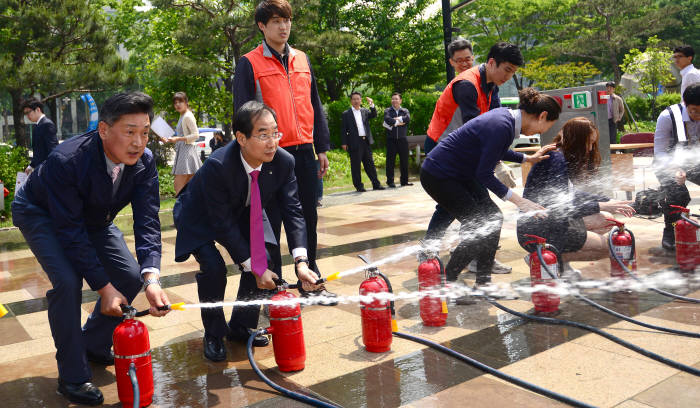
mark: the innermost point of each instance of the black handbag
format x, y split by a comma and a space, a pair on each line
649, 202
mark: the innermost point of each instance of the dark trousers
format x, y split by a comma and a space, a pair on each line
469, 202
676, 194
439, 223
65, 298
306, 171
394, 146
211, 285
361, 153
428, 145
612, 128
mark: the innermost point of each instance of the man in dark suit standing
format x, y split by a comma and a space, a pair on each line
395, 120
65, 212
44, 136
356, 139
223, 203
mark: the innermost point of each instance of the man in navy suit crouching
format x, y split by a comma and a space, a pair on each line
223, 203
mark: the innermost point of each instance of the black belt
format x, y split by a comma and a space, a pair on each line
299, 147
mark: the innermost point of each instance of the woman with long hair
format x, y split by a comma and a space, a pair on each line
458, 174
187, 161
576, 220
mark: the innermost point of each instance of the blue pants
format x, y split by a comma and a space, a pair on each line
65, 298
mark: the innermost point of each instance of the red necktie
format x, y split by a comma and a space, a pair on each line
258, 259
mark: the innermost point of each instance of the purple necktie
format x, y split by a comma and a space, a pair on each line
258, 260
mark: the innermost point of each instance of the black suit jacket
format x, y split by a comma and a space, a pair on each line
43, 141
349, 134
212, 206
390, 116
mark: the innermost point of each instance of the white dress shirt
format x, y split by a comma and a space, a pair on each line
689, 76
358, 120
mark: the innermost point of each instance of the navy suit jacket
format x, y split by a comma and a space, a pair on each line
212, 206
349, 133
73, 186
390, 116
43, 141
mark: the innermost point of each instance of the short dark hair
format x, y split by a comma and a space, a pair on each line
267, 9
685, 49
691, 95
610, 84
32, 103
355, 93
534, 102
181, 96
397, 94
458, 44
247, 114
125, 103
506, 52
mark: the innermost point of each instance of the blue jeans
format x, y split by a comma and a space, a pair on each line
65, 298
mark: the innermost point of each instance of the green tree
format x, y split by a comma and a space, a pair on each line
533, 25
554, 76
54, 48
651, 68
602, 31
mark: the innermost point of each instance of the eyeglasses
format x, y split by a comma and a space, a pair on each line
465, 60
265, 137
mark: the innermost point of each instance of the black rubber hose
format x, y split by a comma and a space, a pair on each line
634, 276
692, 222
391, 290
134, 385
288, 393
494, 372
617, 314
561, 322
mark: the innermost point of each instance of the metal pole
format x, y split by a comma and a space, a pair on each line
447, 31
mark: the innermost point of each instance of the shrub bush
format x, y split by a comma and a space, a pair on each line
641, 106
166, 182
12, 160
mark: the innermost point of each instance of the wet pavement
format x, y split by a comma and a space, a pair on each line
377, 224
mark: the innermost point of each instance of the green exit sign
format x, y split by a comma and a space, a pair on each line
581, 100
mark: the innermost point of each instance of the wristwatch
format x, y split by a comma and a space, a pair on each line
300, 260
150, 281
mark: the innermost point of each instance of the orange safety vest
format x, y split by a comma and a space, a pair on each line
446, 105
288, 94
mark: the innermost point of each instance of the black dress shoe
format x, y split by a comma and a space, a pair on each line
361, 190
378, 188
214, 348
242, 334
100, 359
330, 297
392, 185
668, 241
406, 184
85, 393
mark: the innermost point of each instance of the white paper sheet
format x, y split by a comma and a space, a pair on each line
161, 128
21, 179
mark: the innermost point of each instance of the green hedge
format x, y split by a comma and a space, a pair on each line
12, 160
419, 104
641, 106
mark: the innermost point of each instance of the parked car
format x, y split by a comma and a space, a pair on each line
202, 143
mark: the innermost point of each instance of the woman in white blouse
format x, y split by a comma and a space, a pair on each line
186, 159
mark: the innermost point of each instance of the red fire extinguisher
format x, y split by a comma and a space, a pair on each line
687, 237
431, 276
544, 302
132, 360
287, 331
621, 246
377, 322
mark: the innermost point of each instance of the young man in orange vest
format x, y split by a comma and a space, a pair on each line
472, 92
281, 77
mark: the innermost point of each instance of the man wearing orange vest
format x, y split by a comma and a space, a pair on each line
281, 77
473, 92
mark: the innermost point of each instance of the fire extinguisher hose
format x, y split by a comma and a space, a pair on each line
286, 392
634, 276
614, 313
134, 385
496, 373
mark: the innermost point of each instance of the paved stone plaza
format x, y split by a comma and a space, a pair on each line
569, 361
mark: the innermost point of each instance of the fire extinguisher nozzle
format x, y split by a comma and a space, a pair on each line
177, 306
3, 310
394, 326
332, 277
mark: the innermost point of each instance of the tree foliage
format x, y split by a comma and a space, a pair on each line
54, 48
650, 67
553, 76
